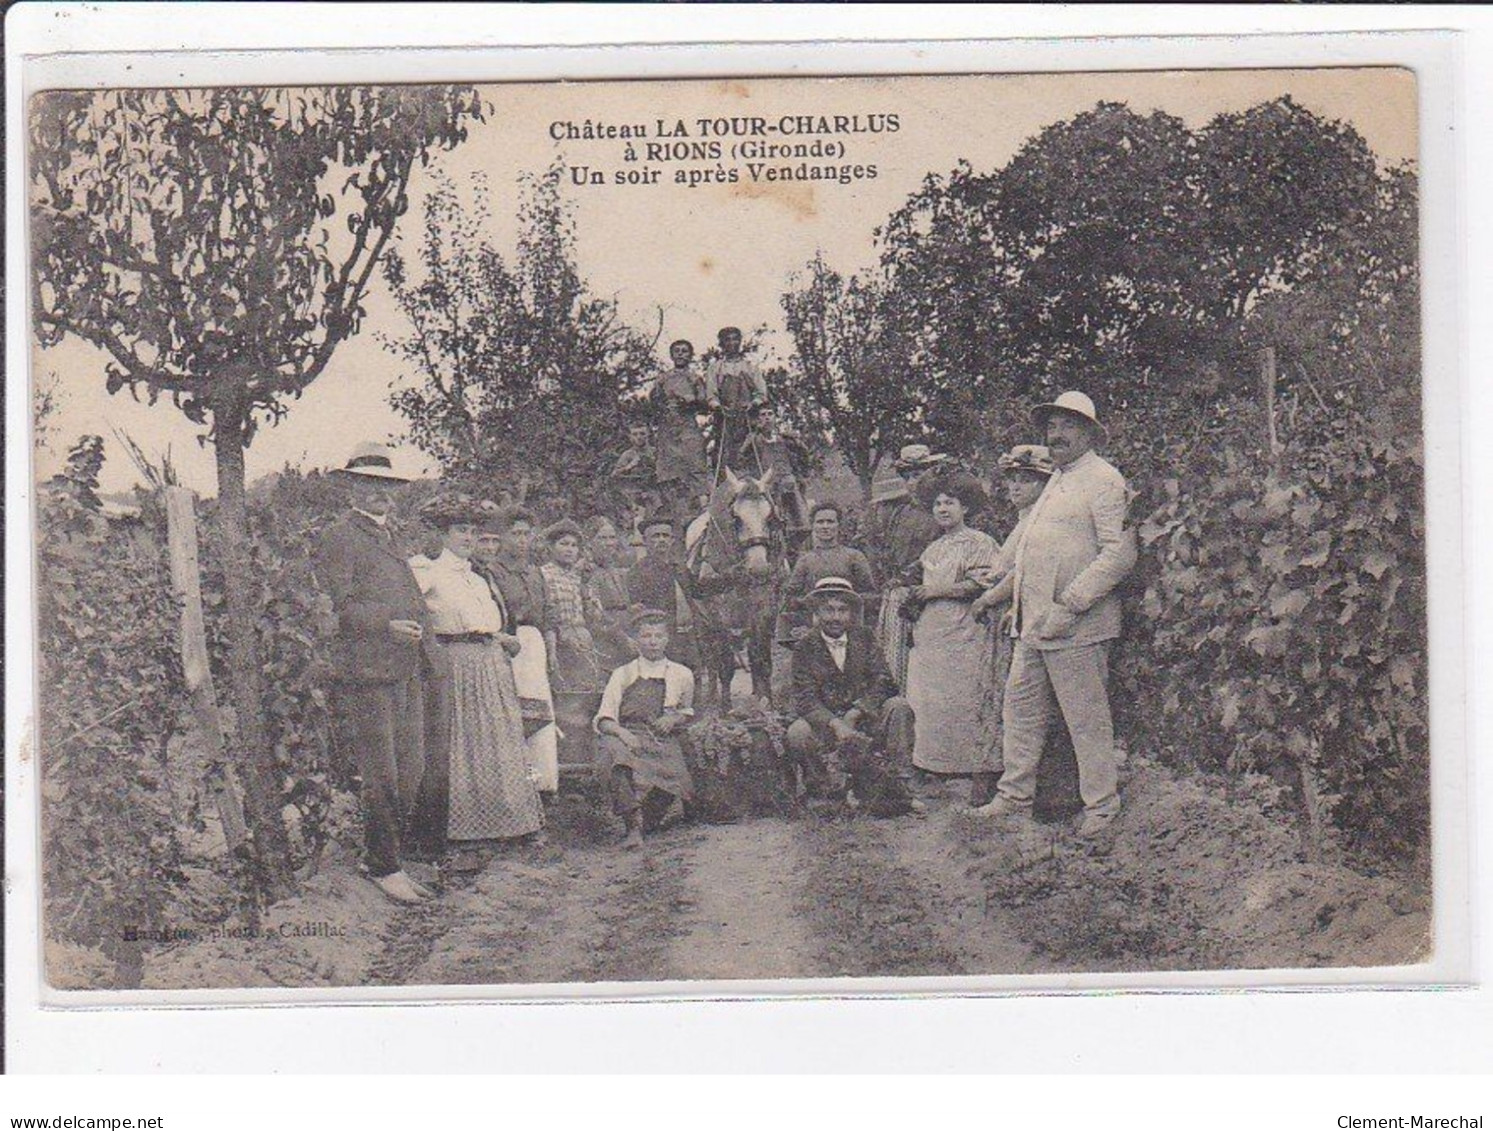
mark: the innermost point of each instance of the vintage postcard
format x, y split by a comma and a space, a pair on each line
692, 532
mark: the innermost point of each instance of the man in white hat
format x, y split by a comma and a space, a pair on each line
381, 657
1075, 550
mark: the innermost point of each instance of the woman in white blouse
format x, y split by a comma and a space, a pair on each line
492, 789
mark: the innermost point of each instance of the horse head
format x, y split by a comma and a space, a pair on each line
751, 509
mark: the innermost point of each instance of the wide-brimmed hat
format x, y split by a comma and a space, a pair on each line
919, 455
1034, 458
372, 461
451, 509
560, 529
887, 485
834, 587
1073, 403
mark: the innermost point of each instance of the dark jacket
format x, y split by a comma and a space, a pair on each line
522, 590
900, 532
651, 581
821, 690
370, 584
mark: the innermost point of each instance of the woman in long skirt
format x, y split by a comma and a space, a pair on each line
947, 669
492, 787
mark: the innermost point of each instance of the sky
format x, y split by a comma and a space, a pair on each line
698, 257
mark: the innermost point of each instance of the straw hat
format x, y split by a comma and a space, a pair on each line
372, 461
834, 587
919, 455
1034, 458
643, 617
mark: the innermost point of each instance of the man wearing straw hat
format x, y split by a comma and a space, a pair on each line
1074, 551
381, 656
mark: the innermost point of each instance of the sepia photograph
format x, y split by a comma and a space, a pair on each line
611, 533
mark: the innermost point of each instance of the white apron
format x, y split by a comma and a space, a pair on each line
531, 676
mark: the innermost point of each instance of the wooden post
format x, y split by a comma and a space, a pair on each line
1267, 383
186, 580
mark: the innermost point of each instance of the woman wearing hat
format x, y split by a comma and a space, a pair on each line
492, 788
569, 613
946, 669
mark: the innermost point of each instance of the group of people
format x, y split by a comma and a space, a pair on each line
448, 665
936, 651
980, 646
699, 420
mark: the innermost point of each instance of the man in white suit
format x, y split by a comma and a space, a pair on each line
1076, 549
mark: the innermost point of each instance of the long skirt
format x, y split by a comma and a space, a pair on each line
493, 794
531, 677
947, 671
895, 634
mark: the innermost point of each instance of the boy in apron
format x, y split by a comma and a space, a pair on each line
645, 707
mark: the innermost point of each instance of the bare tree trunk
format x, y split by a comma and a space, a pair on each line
181, 541
271, 847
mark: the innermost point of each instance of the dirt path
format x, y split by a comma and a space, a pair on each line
966, 923
756, 900
741, 919
1194, 880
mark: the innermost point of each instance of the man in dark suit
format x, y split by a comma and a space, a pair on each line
852, 727
381, 657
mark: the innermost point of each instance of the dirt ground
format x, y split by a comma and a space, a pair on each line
1195, 877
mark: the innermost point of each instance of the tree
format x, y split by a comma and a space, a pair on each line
522, 372
192, 237
1118, 250
847, 380
1273, 182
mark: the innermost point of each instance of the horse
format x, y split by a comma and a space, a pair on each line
734, 555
